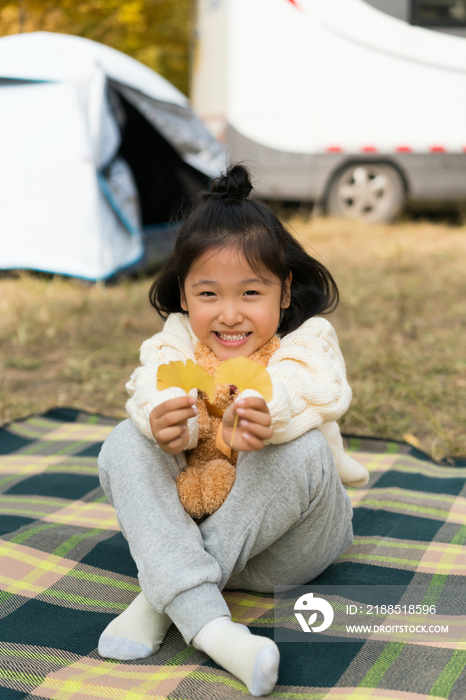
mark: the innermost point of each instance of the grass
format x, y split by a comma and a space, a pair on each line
401, 325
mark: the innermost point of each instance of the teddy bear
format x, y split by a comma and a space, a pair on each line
209, 477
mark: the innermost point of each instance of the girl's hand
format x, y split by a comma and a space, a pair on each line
253, 425
169, 421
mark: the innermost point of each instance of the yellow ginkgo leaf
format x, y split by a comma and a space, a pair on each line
245, 374
186, 376
411, 439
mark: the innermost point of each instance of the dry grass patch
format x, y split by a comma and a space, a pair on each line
68, 344
401, 324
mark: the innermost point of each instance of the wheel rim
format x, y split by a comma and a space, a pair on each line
365, 192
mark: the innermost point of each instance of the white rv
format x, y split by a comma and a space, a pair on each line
348, 103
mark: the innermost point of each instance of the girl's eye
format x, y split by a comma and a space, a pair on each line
251, 291
207, 294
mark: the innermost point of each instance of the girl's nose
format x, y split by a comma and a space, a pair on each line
230, 315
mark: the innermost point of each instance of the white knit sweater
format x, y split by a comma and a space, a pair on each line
308, 375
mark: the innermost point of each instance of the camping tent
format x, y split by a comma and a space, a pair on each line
97, 151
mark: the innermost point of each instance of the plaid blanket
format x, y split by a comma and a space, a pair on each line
66, 571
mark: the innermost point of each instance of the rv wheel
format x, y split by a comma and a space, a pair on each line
367, 191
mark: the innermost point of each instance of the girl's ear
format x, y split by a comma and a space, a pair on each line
183, 303
286, 293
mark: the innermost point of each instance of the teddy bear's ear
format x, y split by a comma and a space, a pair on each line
187, 377
245, 374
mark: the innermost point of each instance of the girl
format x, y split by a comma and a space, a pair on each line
236, 282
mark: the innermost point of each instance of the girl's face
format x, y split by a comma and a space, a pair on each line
231, 310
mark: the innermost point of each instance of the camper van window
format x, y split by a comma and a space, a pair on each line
439, 13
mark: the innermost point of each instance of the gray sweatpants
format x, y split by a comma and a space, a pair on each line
285, 520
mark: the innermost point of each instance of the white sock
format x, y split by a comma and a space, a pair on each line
252, 659
135, 634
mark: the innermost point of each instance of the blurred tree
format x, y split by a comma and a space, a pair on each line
155, 32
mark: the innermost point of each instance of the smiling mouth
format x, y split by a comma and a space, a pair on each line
232, 336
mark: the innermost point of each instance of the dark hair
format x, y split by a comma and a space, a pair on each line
223, 217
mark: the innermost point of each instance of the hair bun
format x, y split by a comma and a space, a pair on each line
234, 184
